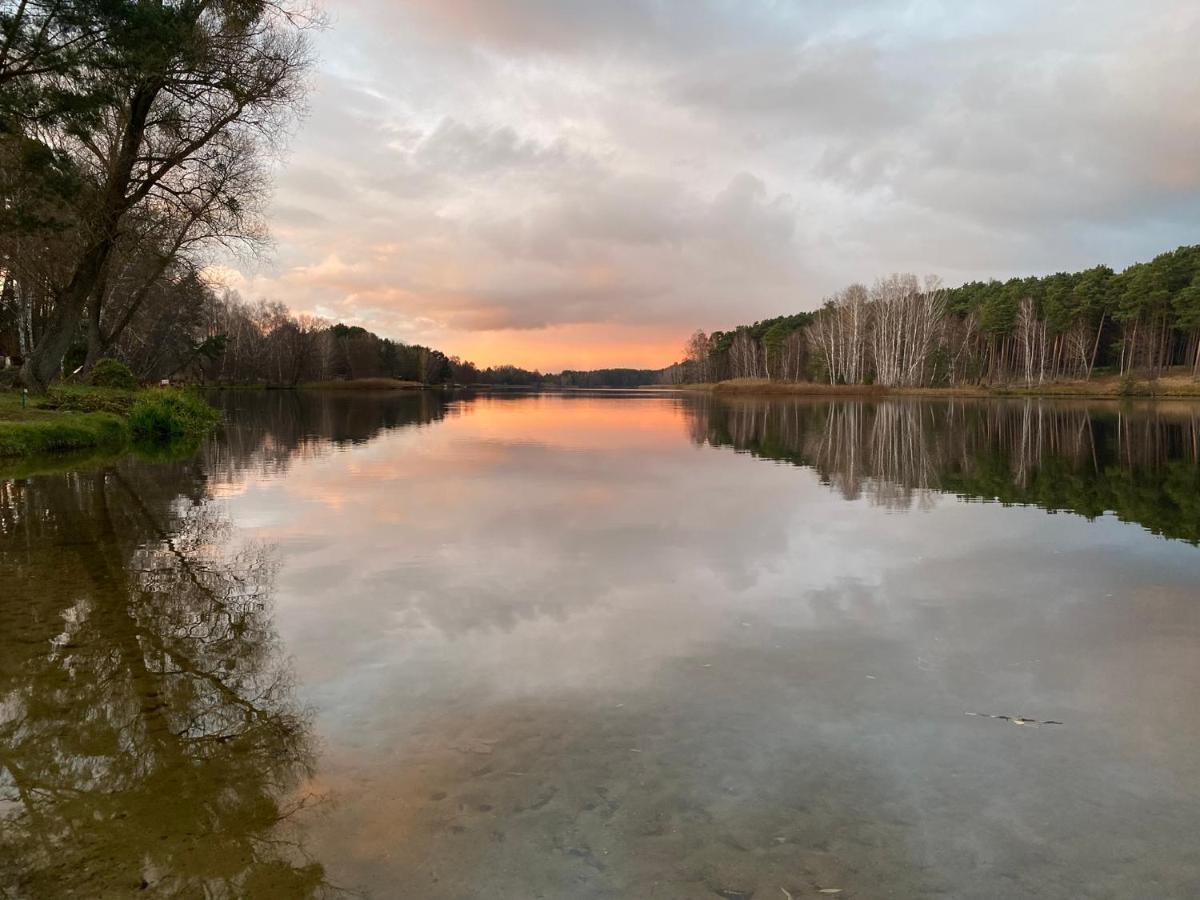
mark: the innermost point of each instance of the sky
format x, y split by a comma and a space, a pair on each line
579, 184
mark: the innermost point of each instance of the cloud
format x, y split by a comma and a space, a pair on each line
456, 148
482, 171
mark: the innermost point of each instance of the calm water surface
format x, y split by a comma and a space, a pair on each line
610, 647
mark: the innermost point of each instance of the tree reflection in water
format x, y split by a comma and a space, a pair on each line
149, 742
1140, 463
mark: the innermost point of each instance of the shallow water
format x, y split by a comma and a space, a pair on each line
597, 646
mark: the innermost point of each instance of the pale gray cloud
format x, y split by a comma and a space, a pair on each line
473, 172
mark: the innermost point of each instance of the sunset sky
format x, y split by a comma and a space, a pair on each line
558, 184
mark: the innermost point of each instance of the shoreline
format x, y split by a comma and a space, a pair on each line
388, 385
1107, 388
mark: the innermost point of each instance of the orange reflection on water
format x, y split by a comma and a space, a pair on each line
430, 472
576, 421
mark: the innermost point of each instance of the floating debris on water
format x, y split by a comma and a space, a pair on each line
1016, 720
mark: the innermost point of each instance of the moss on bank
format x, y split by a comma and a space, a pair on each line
89, 419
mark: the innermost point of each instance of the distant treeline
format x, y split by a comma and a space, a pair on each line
225, 340
905, 332
607, 378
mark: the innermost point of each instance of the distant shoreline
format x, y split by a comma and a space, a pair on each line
1172, 387
1108, 387
367, 385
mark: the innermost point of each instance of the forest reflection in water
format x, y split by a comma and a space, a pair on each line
1141, 463
1138, 461
572, 646
149, 740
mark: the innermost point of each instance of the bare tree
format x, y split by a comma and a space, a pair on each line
1031, 340
744, 356
695, 354
219, 207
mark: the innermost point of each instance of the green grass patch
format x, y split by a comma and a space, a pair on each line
164, 423
168, 415
58, 432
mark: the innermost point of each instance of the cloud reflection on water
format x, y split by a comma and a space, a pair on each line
533, 573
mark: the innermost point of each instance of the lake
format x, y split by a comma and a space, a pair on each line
610, 646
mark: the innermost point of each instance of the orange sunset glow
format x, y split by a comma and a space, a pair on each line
519, 183
576, 347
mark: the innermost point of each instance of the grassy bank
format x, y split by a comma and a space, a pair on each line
90, 419
1110, 387
30, 432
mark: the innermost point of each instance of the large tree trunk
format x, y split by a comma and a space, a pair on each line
96, 345
95, 339
45, 361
